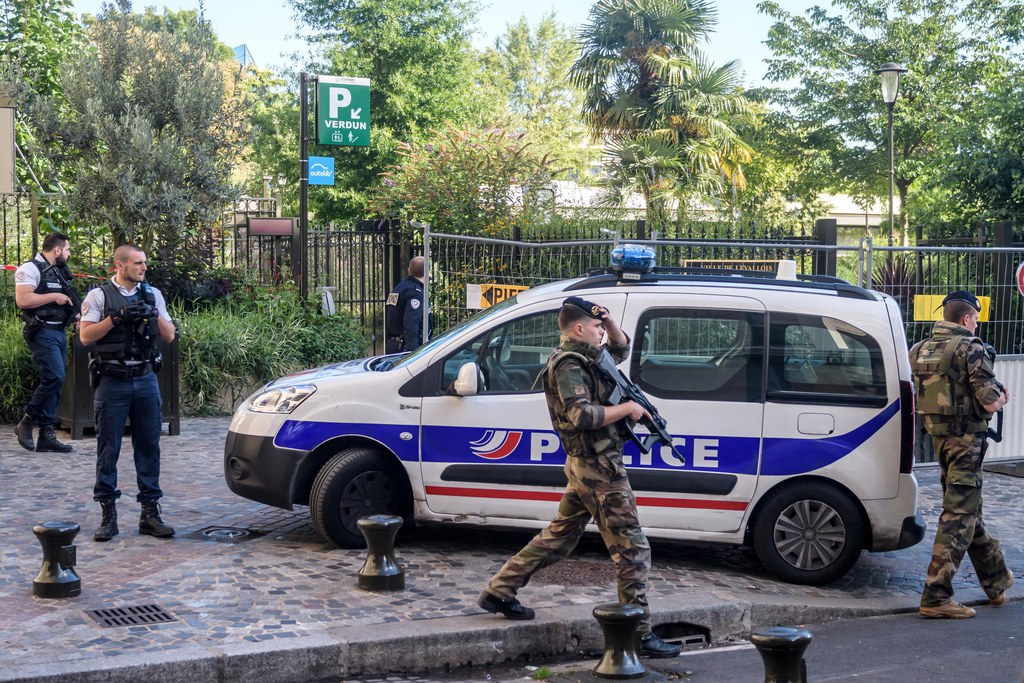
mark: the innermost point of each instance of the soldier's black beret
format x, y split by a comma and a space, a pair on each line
963, 296
591, 309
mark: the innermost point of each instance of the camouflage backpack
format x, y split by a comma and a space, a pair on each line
944, 399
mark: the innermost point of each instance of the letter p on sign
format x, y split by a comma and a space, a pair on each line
339, 97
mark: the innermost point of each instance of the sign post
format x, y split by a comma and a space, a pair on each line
343, 111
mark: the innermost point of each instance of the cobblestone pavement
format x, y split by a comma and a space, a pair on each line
286, 582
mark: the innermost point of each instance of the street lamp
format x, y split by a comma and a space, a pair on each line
890, 77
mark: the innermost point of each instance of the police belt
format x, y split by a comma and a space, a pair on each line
36, 320
125, 371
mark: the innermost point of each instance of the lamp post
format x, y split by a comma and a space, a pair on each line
890, 77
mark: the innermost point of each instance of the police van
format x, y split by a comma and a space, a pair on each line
789, 399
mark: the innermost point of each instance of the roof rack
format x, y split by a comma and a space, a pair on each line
606, 277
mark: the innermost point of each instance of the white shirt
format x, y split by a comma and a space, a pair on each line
96, 301
27, 274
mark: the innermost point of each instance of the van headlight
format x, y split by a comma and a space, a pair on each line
282, 400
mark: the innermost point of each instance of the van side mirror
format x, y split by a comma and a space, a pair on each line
467, 382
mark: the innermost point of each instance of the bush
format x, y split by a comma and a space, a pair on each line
18, 375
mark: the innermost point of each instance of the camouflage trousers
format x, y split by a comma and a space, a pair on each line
961, 528
610, 502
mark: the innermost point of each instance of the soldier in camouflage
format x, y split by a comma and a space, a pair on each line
598, 486
957, 394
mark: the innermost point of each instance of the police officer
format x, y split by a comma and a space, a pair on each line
404, 311
957, 394
41, 291
120, 323
598, 487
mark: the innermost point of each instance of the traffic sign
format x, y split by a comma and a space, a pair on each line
1020, 279
343, 111
321, 170
928, 308
486, 295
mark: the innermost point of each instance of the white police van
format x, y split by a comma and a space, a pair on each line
791, 401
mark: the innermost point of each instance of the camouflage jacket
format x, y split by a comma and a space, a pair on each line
954, 379
576, 391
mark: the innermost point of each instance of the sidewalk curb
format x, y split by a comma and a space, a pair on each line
435, 644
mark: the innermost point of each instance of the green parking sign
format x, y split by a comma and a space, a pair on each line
343, 111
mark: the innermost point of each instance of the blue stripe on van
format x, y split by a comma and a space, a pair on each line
796, 456
305, 436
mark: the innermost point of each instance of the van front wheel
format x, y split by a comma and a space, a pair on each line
808, 533
353, 484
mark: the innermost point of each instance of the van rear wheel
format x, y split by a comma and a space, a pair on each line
353, 484
808, 533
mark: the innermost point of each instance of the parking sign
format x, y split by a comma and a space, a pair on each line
343, 111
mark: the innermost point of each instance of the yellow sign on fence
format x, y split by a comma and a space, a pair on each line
928, 307
486, 295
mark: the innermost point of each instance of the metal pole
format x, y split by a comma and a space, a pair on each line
892, 231
426, 282
303, 184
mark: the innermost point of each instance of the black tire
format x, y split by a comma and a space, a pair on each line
808, 533
353, 484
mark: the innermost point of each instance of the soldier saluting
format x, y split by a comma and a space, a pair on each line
957, 394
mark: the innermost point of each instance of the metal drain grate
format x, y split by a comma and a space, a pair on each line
135, 615
225, 534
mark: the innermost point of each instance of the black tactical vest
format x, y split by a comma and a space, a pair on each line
127, 343
50, 282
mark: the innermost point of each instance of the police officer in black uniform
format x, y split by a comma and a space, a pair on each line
48, 305
404, 311
120, 324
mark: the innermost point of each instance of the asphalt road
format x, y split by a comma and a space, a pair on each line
895, 649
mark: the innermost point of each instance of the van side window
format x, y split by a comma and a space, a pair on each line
824, 356
699, 355
511, 357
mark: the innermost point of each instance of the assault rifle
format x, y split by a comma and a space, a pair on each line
625, 390
64, 277
996, 435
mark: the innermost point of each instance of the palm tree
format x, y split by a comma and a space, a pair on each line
666, 113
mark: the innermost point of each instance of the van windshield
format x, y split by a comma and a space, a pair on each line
440, 339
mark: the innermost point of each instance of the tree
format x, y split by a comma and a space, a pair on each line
528, 67
468, 181
154, 125
666, 113
952, 50
422, 69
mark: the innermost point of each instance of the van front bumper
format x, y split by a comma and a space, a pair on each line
256, 469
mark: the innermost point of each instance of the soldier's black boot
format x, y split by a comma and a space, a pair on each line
108, 525
24, 431
48, 442
150, 522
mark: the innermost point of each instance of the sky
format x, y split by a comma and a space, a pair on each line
268, 29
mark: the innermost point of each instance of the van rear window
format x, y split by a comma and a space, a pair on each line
826, 357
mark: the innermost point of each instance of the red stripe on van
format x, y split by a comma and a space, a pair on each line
646, 501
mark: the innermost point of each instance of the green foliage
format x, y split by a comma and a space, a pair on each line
18, 375
667, 112
254, 335
528, 67
154, 120
423, 72
274, 149
953, 51
468, 181
541, 674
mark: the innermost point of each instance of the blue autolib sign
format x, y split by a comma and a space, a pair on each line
321, 170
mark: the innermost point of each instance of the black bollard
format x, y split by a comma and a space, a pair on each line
619, 623
380, 572
57, 578
782, 650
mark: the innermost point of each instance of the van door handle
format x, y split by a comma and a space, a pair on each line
816, 423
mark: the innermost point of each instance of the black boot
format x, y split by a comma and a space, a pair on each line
150, 522
24, 431
108, 525
48, 441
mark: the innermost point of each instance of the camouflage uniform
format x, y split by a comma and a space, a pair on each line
954, 381
598, 485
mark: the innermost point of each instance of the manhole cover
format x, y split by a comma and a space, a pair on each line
225, 534
135, 615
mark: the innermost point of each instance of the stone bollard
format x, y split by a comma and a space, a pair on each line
57, 578
380, 572
619, 623
782, 650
